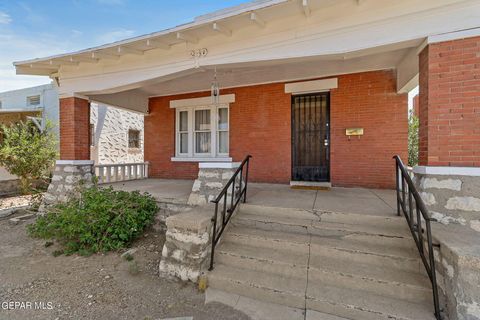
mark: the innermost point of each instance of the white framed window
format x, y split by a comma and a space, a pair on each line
202, 132
33, 100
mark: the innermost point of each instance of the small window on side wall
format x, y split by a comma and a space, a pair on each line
133, 138
33, 101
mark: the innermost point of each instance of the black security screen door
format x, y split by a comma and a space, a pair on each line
311, 137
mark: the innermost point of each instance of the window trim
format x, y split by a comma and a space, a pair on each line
213, 155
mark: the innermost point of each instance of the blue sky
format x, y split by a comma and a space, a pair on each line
38, 28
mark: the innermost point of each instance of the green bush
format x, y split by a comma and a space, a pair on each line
28, 152
98, 220
413, 124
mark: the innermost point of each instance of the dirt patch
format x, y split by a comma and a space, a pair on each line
102, 286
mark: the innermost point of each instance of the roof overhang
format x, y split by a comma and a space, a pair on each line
165, 39
260, 42
21, 110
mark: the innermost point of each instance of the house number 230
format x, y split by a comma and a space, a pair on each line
198, 53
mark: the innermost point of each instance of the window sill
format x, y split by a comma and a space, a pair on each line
200, 159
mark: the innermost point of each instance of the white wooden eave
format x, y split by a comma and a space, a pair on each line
331, 35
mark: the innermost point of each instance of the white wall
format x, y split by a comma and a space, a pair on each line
111, 125
17, 99
111, 135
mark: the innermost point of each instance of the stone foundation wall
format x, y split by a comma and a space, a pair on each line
451, 199
210, 181
68, 175
186, 251
452, 196
458, 272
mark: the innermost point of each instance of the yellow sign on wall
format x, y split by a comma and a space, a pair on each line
354, 131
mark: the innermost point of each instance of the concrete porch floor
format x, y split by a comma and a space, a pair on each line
348, 200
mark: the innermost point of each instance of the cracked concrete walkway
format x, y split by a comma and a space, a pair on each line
376, 202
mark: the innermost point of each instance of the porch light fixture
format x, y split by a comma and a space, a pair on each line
215, 89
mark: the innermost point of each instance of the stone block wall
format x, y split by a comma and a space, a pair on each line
457, 262
111, 126
67, 176
451, 199
210, 181
186, 251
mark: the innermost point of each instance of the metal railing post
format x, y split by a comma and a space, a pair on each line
416, 229
398, 186
246, 180
214, 233
234, 201
433, 271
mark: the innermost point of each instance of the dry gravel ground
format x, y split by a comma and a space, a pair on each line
16, 201
97, 287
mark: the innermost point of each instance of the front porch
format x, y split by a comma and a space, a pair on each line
375, 202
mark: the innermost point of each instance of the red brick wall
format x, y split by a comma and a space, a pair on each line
367, 100
260, 124
450, 103
74, 129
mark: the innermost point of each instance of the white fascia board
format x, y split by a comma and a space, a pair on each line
448, 171
463, 34
198, 22
203, 101
311, 86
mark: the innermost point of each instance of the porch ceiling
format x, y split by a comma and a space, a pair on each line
244, 74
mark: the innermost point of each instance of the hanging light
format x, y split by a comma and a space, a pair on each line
215, 89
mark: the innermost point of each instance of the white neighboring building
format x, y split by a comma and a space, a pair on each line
117, 135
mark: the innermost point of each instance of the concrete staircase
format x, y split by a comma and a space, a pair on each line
328, 265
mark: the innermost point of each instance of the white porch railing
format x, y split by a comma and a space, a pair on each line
107, 173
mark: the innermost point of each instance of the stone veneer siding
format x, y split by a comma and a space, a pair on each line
451, 198
111, 135
65, 181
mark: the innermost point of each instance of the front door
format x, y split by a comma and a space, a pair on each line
311, 137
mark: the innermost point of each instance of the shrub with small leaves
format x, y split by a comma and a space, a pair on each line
28, 152
98, 220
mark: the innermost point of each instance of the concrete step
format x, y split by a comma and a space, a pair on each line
359, 305
369, 278
325, 216
259, 285
332, 271
348, 248
287, 263
370, 225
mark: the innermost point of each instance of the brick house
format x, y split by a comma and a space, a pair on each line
315, 91
335, 71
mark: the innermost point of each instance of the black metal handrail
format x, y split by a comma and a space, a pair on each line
410, 202
235, 198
